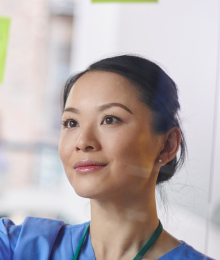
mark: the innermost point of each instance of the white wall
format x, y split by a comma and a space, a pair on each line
182, 37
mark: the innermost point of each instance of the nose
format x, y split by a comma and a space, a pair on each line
87, 140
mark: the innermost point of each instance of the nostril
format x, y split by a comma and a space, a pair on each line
89, 147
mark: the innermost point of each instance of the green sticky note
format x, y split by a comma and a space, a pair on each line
123, 1
4, 32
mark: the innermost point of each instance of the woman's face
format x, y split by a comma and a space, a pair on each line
104, 121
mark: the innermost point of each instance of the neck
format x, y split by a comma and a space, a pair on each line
123, 225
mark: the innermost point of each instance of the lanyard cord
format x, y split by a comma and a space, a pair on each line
80, 244
150, 242
140, 254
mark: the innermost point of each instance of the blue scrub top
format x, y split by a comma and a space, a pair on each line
47, 239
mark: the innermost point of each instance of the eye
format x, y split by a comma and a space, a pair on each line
69, 123
110, 119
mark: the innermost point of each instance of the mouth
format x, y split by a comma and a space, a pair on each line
88, 166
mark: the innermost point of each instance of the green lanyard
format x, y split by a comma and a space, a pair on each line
140, 254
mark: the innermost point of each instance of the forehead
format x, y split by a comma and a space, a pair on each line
99, 87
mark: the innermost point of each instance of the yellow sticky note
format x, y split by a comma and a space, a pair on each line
4, 32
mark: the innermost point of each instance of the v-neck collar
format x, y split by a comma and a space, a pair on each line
87, 252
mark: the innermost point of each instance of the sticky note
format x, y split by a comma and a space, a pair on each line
4, 32
123, 1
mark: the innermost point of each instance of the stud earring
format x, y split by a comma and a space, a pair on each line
160, 160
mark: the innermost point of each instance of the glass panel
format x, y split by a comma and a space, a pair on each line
51, 40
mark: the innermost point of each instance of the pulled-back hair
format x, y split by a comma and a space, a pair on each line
156, 90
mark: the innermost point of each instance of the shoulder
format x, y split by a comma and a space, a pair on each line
193, 253
183, 252
35, 234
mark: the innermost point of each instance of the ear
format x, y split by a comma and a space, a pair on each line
171, 145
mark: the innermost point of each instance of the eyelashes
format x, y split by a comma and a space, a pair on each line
112, 117
71, 123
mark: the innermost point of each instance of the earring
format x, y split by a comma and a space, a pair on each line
160, 160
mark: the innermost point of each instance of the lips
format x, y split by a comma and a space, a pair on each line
88, 163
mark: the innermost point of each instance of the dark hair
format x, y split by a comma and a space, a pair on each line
156, 89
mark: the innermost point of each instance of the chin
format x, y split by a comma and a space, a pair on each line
91, 192
85, 191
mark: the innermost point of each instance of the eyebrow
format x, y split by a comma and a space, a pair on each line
71, 109
100, 108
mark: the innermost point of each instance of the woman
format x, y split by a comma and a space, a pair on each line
119, 139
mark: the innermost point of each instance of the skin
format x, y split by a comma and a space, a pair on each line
123, 207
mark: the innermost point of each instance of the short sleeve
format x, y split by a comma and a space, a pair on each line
33, 239
9, 234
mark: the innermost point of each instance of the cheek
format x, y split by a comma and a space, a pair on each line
133, 148
65, 150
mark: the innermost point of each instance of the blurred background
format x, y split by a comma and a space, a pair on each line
49, 40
